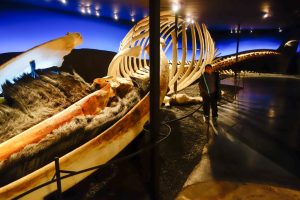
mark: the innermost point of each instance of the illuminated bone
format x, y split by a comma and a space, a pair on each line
182, 72
89, 105
180, 99
46, 55
118, 69
224, 63
96, 151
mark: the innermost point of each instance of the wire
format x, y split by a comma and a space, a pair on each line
180, 118
73, 173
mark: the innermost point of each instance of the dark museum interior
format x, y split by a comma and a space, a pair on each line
150, 99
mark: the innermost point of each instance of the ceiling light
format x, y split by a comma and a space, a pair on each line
175, 7
97, 7
82, 10
88, 9
63, 1
116, 17
266, 15
279, 30
188, 19
251, 31
266, 10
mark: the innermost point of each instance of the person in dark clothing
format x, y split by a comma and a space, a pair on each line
209, 85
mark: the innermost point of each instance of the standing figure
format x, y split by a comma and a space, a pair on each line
209, 85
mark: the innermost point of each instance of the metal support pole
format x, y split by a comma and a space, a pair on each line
236, 59
58, 180
237, 43
154, 10
176, 33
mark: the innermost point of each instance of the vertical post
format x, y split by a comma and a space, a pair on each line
58, 180
237, 42
154, 10
176, 33
236, 59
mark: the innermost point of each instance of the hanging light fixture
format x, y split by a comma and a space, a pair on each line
132, 14
175, 7
88, 9
64, 2
82, 10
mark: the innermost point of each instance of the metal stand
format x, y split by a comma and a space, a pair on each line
58, 180
236, 59
176, 33
154, 10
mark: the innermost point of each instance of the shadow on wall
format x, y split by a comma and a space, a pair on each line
88, 63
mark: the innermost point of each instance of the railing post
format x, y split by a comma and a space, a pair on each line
58, 180
154, 16
236, 59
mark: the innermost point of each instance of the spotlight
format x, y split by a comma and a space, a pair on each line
132, 19
279, 30
116, 17
266, 10
251, 31
63, 2
193, 21
82, 10
188, 19
175, 7
97, 13
88, 9
231, 31
266, 15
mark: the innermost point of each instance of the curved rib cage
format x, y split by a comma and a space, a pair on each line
132, 57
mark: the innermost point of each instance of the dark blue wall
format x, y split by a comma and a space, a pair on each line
22, 28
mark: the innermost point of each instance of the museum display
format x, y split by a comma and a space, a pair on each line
118, 101
48, 112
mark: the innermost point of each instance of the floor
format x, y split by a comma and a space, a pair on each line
255, 148
254, 153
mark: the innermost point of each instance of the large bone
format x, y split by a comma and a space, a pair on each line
46, 55
89, 105
98, 150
